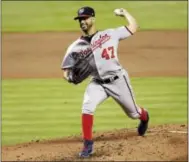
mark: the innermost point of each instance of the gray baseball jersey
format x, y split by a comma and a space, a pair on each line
101, 52
104, 45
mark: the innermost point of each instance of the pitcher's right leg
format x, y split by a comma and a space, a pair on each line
94, 95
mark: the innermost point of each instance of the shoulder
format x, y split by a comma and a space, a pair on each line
115, 29
107, 30
75, 44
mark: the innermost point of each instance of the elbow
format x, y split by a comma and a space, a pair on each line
133, 27
136, 26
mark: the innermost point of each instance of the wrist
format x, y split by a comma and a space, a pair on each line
126, 14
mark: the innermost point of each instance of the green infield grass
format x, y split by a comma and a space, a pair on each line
36, 109
33, 16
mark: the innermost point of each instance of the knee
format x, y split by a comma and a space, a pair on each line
87, 111
88, 105
88, 108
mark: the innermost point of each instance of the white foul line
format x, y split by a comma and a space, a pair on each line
155, 132
178, 132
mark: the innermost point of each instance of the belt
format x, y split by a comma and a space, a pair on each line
108, 80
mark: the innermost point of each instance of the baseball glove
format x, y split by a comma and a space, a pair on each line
81, 70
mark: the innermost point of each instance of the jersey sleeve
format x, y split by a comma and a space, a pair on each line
68, 60
122, 32
76, 51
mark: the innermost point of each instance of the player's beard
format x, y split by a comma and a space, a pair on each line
85, 27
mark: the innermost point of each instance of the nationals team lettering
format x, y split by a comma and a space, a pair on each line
85, 52
81, 54
98, 43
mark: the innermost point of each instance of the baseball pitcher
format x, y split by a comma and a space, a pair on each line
95, 54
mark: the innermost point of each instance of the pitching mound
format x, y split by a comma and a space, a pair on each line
161, 143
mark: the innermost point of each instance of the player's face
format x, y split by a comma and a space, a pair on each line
85, 23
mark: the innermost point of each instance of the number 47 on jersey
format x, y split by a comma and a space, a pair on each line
108, 53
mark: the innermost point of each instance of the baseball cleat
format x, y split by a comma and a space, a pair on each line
143, 126
87, 150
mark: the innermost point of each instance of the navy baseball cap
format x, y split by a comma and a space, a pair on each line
85, 12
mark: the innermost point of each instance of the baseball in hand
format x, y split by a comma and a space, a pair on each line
119, 12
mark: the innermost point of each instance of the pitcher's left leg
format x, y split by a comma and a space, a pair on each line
125, 98
132, 109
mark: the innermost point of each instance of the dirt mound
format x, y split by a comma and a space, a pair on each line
161, 143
